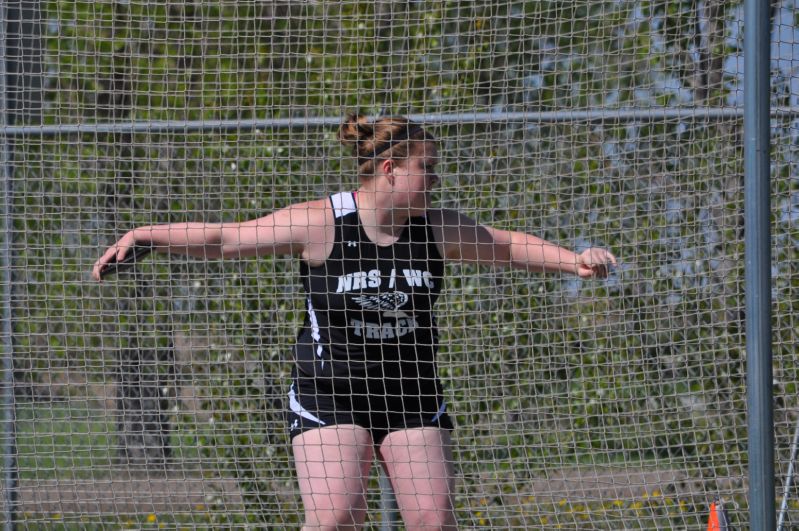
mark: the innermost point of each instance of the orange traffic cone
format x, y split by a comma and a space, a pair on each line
718, 520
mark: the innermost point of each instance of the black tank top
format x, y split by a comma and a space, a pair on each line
370, 308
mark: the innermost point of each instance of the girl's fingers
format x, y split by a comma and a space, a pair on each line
597, 262
115, 253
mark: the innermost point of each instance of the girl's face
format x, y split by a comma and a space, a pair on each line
415, 178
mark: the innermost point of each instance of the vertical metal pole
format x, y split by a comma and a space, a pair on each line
388, 504
788, 480
757, 207
9, 448
8, 436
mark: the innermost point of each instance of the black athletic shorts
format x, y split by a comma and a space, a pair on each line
316, 403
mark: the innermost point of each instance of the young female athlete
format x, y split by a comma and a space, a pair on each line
372, 263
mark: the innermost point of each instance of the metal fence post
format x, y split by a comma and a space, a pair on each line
388, 504
8, 436
757, 207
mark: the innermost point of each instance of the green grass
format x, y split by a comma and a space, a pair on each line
63, 441
73, 441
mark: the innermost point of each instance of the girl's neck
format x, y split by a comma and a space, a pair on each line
381, 222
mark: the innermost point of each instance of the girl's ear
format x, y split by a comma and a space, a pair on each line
387, 168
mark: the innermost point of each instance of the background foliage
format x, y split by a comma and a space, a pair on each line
643, 372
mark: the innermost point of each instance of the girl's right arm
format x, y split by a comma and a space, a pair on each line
286, 231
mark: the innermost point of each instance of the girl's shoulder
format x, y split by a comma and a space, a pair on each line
314, 213
447, 217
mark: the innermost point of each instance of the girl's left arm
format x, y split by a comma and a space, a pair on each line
463, 239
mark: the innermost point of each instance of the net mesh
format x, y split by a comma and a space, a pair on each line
157, 397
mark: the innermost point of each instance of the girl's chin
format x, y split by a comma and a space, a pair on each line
419, 207
425, 204
419, 210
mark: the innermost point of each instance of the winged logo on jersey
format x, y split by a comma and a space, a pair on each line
390, 303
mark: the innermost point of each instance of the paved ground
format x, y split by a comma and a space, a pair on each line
127, 494
585, 484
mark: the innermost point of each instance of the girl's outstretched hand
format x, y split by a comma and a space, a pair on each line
595, 263
114, 254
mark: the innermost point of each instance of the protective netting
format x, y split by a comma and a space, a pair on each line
156, 398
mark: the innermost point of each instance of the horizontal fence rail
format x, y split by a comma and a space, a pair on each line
600, 115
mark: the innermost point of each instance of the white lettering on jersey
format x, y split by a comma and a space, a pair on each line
385, 331
415, 277
371, 279
358, 280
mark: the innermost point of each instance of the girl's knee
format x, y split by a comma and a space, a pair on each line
430, 520
334, 520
